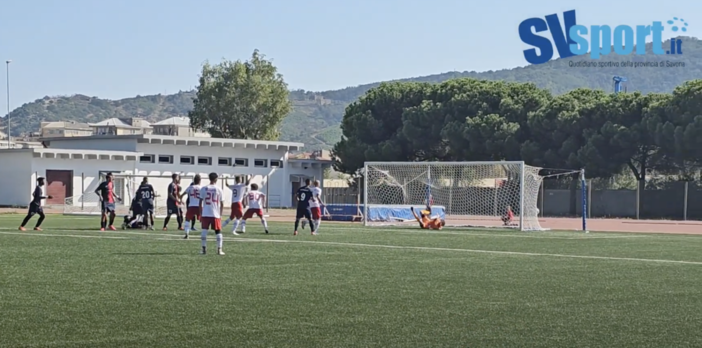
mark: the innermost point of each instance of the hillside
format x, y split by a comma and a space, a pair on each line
323, 111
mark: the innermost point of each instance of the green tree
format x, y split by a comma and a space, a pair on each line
371, 127
678, 129
243, 100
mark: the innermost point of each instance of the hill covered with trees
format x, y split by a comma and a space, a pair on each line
323, 111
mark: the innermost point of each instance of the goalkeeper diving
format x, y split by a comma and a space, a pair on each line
426, 221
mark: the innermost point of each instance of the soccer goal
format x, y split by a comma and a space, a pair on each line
125, 186
472, 194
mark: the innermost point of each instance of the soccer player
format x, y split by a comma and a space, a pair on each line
304, 195
426, 222
315, 205
237, 211
130, 221
257, 200
145, 194
508, 216
194, 204
173, 203
187, 204
36, 206
211, 197
106, 192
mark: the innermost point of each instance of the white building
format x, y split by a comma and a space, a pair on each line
74, 166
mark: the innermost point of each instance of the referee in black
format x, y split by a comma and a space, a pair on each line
36, 206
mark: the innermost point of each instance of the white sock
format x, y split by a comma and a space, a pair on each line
316, 224
226, 222
186, 226
236, 225
243, 225
264, 223
219, 240
203, 238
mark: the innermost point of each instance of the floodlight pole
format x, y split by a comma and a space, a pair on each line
9, 124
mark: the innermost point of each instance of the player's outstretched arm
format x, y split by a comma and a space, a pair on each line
417, 217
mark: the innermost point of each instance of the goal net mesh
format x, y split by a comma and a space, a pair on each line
125, 186
462, 193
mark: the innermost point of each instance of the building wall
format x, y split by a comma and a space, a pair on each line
102, 144
86, 173
18, 178
160, 172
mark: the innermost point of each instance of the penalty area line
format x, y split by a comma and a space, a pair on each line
474, 251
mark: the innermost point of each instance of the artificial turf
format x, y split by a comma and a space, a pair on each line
72, 286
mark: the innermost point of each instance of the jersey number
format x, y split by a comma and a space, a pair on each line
145, 195
194, 193
210, 198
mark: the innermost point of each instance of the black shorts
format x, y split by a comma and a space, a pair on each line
147, 205
305, 212
108, 207
35, 209
174, 209
137, 208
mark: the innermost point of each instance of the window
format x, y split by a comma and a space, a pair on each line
244, 162
260, 163
146, 159
277, 163
224, 161
187, 160
206, 161
165, 159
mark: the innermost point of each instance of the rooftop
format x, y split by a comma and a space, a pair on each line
178, 121
116, 122
79, 154
189, 141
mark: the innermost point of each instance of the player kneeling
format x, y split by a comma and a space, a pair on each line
425, 220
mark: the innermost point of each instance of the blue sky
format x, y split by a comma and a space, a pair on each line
118, 49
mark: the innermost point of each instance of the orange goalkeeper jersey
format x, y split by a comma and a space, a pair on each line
432, 224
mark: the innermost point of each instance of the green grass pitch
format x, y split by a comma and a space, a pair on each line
73, 286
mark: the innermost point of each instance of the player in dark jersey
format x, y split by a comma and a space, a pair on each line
304, 195
145, 194
173, 203
36, 206
108, 198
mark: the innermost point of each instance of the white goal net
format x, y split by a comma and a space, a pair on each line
474, 194
125, 186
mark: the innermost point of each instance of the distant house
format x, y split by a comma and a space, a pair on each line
65, 129
121, 126
177, 126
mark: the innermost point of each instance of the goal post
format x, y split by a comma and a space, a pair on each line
471, 194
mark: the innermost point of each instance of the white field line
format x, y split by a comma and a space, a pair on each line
494, 252
61, 235
381, 246
577, 235
580, 236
